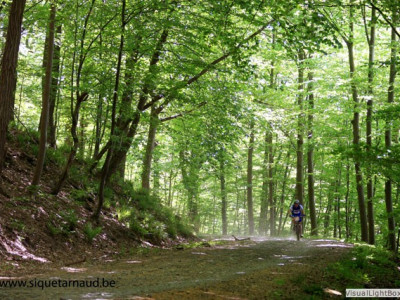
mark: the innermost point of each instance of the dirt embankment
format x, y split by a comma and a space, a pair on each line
47, 228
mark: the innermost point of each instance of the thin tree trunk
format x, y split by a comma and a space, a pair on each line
370, 188
287, 171
300, 138
328, 209
337, 203
156, 173
148, 156
98, 126
8, 75
310, 157
236, 219
170, 183
47, 79
250, 218
83, 97
51, 136
190, 181
356, 134
264, 194
80, 97
271, 184
223, 197
388, 144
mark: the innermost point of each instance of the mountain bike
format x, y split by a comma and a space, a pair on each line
298, 227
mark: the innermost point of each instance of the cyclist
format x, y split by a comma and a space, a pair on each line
296, 210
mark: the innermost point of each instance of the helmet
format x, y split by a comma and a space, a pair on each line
296, 202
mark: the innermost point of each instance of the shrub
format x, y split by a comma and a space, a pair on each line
65, 224
70, 219
90, 231
148, 218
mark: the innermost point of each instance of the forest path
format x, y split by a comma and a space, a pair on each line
256, 269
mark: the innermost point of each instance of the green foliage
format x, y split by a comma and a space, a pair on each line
56, 156
314, 289
79, 195
76, 172
148, 218
366, 266
90, 231
65, 223
54, 230
18, 225
33, 189
70, 218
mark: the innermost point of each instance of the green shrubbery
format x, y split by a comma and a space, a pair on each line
90, 231
366, 266
64, 224
147, 217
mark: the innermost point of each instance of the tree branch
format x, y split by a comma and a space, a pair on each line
183, 113
385, 17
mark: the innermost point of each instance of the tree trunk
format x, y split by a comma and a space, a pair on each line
310, 157
347, 200
223, 197
328, 209
370, 188
80, 97
388, 144
8, 75
51, 136
82, 144
106, 166
47, 79
300, 123
264, 194
337, 202
98, 126
250, 218
148, 156
191, 183
156, 173
356, 134
75, 116
285, 176
271, 184
127, 126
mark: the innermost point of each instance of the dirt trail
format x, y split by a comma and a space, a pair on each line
257, 269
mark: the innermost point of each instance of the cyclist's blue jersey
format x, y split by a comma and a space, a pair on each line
296, 212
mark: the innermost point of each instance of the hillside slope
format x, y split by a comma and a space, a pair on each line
56, 228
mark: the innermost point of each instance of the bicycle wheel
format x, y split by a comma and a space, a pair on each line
298, 231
